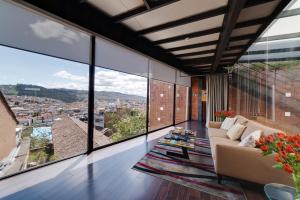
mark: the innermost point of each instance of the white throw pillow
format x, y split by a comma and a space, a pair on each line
228, 123
235, 131
249, 141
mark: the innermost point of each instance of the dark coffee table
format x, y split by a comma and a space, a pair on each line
185, 143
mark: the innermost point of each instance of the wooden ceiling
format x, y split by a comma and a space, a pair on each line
195, 36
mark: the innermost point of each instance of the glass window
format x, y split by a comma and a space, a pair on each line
43, 109
120, 106
182, 102
161, 101
265, 84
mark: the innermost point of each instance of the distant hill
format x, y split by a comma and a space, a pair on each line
65, 95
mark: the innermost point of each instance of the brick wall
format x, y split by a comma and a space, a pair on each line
254, 99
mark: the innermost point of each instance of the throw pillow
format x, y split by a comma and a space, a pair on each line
228, 123
235, 131
249, 141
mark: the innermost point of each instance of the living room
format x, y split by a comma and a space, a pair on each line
150, 99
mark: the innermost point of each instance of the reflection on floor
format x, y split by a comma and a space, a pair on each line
106, 174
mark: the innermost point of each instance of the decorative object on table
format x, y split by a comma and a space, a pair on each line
197, 172
275, 191
182, 131
180, 139
223, 114
178, 130
287, 155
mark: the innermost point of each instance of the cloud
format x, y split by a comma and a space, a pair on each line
48, 29
106, 80
66, 75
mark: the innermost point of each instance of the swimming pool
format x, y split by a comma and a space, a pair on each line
42, 132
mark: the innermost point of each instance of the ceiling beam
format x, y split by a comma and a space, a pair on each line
251, 3
230, 55
275, 13
279, 37
271, 59
186, 20
146, 3
230, 21
289, 13
142, 10
251, 22
282, 50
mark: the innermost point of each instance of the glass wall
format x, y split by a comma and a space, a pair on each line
44, 86
120, 106
161, 102
182, 103
265, 84
43, 109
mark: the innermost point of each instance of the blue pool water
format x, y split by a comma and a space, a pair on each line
42, 132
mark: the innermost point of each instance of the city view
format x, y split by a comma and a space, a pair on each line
48, 122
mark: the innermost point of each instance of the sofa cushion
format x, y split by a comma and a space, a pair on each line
249, 141
228, 123
216, 132
235, 132
213, 124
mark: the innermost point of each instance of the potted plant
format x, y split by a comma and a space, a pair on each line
286, 150
223, 114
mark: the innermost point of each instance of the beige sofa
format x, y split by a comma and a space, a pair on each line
243, 163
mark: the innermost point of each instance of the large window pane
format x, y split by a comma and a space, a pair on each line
265, 84
161, 104
120, 106
182, 102
43, 108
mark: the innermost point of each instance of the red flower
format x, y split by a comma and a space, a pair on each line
297, 144
270, 138
298, 157
289, 149
288, 168
278, 158
279, 145
281, 135
264, 148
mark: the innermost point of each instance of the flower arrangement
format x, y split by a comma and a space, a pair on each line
286, 150
223, 114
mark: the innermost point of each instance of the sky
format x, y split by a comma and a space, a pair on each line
19, 66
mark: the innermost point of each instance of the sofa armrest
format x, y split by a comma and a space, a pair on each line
248, 164
213, 124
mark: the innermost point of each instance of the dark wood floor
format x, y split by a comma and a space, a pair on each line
112, 178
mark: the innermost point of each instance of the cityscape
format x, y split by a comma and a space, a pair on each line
51, 124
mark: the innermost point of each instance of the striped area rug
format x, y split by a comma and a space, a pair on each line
197, 172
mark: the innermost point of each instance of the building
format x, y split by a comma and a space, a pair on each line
99, 119
8, 123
